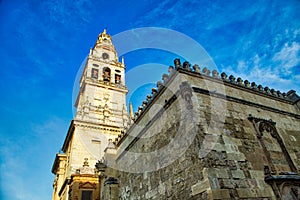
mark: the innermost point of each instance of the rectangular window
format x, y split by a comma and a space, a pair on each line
97, 145
117, 79
94, 73
86, 195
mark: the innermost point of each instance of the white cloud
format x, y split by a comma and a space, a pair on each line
12, 168
256, 70
287, 57
242, 65
25, 170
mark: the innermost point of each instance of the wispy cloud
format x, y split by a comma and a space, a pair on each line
288, 57
243, 38
12, 169
23, 160
259, 71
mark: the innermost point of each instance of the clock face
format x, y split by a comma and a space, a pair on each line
105, 56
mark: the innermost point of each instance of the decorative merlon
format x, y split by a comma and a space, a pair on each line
290, 96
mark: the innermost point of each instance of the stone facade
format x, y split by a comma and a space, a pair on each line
244, 142
198, 135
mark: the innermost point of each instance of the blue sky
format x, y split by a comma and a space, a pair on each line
43, 44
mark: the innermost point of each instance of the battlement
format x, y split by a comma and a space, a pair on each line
290, 97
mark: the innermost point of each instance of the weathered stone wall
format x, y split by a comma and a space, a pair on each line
226, 158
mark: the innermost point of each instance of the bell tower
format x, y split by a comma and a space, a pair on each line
102, 96
101, 115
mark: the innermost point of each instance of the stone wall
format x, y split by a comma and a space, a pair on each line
229, 151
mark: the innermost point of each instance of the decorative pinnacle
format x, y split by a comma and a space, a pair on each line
102, 36
123, 63
131, 111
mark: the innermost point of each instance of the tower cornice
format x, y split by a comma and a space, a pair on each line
115, 130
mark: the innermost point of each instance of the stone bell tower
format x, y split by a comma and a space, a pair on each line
101, 115
102, 96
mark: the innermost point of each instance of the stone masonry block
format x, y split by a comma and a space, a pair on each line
200, 187
265, 192
215, 173
262, 184
249, 130
214, 146
256, 174
214, 183
239, 174
236, 156
222, 173
242, 183
231, 148
151, 193
220, 194
246, 193
232, 140
227, 183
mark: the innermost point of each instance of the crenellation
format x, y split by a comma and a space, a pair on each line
206, 71
149, 98
239, 81
224, 76
273, 92
260, 88
154, 92
159, 85
254, 86
165, 78
196, 68
267, 90
171, 70
177, 63
144, 104
215, 74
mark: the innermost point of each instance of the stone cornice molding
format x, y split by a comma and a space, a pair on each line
88, 125
244, 102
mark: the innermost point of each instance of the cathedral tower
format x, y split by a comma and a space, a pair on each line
101, 115
102, 96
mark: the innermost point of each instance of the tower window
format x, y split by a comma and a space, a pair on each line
105, 56
94, 73
106, 74
117, 79
86, 195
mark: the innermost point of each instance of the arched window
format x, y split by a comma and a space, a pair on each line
280, 170
106, 74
